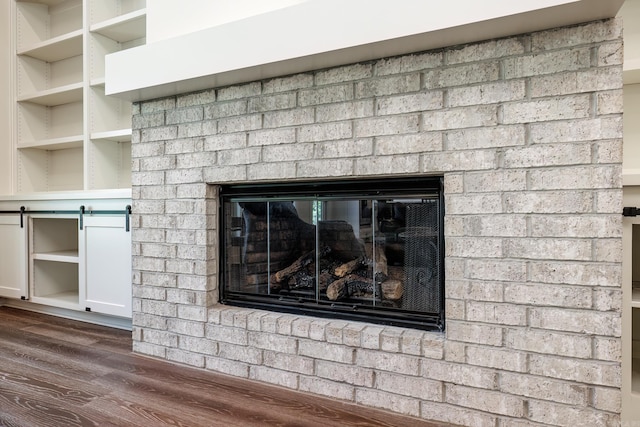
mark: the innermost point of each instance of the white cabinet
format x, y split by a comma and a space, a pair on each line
105, 252
13, 257
69, 135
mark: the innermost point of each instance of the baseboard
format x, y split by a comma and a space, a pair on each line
82, 316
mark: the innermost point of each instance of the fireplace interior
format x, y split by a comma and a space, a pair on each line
362, 250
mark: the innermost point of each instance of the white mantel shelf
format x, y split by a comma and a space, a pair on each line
318, 34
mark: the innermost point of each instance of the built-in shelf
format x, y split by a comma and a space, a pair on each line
62, 143
635, 298
56, 96
57, 48
123, 28
120, 135
58, 256
45, 2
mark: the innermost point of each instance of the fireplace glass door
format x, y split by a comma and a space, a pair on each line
372, 254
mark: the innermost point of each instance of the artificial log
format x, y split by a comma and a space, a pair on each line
392, 289
351, 285
297, 265
348, 267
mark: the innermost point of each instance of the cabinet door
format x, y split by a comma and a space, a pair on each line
106, 252
13, 258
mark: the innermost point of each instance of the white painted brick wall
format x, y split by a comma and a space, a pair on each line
527, 133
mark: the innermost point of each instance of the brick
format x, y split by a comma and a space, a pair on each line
489, 401
198, 345
343, 74
227, 367
585, 274
398, 363
239, 157
456, 415
610, 102
492, 181
559, 249
159, 134
597, 31
157, 105
608, 250
196, 98
240, 123
225, 109
607, 399
282, 170
387, 86
410, 103
148, 349
341, 149
547, 63
485, 137
610, 54
408, 63
453, 161
271, 137
596, 226
585, 177
343, 373
496, 313
407, 164
184, 115
326, 95
391, 125
577, 130
492, 269
288, 362
475, 333
389, 401
462, 75
458, 118
473, 247
598, 79
542, 110
150, 321
607, 299
281, 101
164, 338
227, 334
486, 50
239, 353
324, 168
325, 351
344, 111
326, 388
274, 376
325, 132
497, 358
579, 321
284, 153
296, 117
462, 374
148, 120
549, 202
547, 295
473, 204
284, 84
544, 389
240, 91
410, 386
564, 415
495, 225
554, 343
475, 291
487, 93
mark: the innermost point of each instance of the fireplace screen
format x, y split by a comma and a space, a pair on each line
365, 250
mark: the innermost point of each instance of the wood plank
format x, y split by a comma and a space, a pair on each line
59, 372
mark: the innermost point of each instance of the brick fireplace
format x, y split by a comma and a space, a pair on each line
526, 132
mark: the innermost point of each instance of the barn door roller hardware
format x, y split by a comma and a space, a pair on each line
630, 211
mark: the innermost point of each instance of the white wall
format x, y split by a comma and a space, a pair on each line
6, 98
170, 18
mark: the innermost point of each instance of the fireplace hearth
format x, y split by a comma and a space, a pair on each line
366, 250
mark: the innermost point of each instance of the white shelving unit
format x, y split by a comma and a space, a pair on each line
69, 135
54, 260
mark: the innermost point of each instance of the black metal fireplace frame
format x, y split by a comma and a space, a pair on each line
397, 187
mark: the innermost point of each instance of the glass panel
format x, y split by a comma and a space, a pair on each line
353, 256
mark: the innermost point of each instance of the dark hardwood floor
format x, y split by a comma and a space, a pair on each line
58, 372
